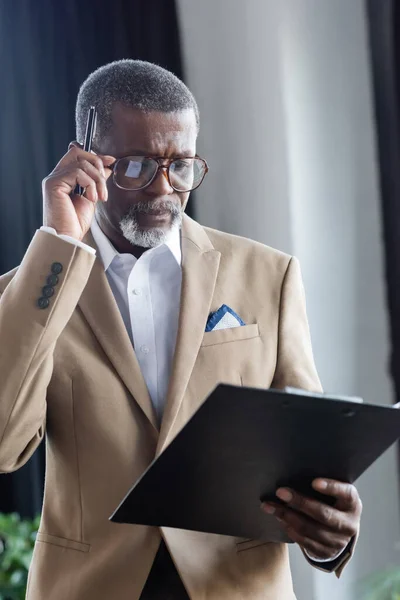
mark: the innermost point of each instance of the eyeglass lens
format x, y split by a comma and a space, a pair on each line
135, 172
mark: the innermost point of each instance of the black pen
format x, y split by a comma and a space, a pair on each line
87, 145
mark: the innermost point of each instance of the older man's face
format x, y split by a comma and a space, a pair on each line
154, 210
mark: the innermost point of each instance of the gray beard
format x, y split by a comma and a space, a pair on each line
150, 238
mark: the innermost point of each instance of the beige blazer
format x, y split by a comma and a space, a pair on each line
70, 370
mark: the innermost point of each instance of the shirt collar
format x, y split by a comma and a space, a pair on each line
108, 252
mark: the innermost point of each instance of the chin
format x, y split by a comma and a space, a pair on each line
149, 237
166, 226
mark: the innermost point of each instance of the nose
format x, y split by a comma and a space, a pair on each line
160, 185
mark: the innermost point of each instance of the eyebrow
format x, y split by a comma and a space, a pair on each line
136, 152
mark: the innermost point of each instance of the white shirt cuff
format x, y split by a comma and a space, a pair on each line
68, 238
324, 560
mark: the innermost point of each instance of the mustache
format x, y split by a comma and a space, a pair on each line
155, 206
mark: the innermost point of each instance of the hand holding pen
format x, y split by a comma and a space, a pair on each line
68, 212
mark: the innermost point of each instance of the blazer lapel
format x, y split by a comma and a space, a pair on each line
102, 313
200, 263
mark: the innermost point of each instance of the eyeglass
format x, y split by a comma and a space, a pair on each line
138, 172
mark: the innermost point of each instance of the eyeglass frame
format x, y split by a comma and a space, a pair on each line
157, 159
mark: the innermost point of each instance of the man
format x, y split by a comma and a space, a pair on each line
104, 346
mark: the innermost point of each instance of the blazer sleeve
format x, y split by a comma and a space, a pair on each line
295, 363
28, 336
296, 368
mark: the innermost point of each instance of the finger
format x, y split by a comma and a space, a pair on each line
318, 541
342, 525
347, 497
96, 171
307, 528
313, 547
89, 185
64, 182
326, 515
75, 150
100, 161
106, 159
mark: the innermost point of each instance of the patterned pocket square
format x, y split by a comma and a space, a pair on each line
223, 318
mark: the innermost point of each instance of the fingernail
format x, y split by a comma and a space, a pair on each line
284, 494
270, 510
320, 484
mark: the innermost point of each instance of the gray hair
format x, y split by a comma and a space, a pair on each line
133, 83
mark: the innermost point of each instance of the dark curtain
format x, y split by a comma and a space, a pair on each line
47, 49
384, 31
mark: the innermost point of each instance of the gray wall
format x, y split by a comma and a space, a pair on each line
286, 89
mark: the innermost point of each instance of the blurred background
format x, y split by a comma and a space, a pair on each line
307, 93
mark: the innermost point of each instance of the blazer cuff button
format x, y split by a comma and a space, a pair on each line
52, 280
56, 268
43, 303
48, 291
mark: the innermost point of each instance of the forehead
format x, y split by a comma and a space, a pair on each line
154, 133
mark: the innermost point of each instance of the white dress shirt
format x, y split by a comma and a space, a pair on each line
147, 291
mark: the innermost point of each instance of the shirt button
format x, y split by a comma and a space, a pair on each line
137, 292
144, 349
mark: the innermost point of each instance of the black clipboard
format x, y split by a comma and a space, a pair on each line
241, 445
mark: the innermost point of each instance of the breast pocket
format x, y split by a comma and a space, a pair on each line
236, 356
226, 355
233, 334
